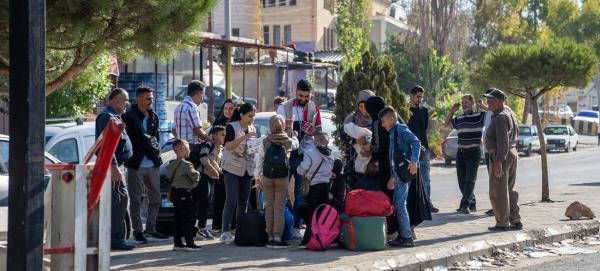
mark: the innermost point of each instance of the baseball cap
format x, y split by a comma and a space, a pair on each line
495, 94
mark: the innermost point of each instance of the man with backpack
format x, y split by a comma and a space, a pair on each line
273, 177
302, 118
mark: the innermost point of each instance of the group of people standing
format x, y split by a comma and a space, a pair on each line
293, 165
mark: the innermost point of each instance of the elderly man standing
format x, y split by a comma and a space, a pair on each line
117, 103
501, 142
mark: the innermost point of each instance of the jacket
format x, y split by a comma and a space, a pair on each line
210, 157
181, 174
144, 143
236, 161
124, 148
406, 142
310, 163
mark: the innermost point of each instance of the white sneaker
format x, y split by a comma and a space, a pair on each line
204, 234
296, 234
227, 238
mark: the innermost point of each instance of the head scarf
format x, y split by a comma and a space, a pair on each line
356, 117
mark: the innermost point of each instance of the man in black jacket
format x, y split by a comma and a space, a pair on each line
143, 167
418, 125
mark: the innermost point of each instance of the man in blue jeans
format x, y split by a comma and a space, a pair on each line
404, 141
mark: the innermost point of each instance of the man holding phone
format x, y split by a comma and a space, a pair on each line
302, 119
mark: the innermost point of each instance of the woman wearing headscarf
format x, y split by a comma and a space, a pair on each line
223, 119
357, 131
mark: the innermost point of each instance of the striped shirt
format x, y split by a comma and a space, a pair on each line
469, 129
187, 118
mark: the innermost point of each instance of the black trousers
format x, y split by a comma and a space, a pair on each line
317, 195
183, 201
201, 200
467, 165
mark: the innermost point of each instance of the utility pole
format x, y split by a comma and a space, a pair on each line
228, 83
27, 110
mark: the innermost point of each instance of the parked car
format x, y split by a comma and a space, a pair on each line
450, 148
562, 111
4, 163
560, 137
219, 92
588, 115
528, 139
70, 142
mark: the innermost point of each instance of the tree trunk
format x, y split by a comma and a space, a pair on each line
73, 70
526, 110
538, 123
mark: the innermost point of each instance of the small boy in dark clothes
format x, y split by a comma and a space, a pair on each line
183, 178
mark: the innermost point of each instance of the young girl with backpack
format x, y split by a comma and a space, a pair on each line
316, 167
272, 174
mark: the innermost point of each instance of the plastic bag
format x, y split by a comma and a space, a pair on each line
365, 203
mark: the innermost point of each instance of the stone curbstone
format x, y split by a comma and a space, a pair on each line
448, 255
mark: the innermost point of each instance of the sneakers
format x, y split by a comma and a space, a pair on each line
517, 226
296, 234
227, 238
204, 234
121, 246
153, 236
140, 238
277, 244
402, 242
188, 248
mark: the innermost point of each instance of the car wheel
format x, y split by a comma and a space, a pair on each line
575, 147
568, 149
528, 151
448, 162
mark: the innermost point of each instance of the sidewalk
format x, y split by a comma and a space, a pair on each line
448, 238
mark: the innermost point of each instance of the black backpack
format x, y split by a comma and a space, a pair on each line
251, 230
276, 162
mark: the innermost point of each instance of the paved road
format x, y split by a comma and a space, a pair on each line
582, 262
581, 166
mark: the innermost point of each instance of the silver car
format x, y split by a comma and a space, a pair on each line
450, 148
528, 140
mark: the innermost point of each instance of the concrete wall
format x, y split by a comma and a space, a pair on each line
245, 15
268, 84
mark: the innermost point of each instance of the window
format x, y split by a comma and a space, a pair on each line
282, 2
266, 36
276, 35
66, 151
292, 3
271, 3
4, 152
235, 32
325, 39
287, 34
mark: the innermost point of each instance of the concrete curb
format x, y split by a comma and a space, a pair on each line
465, 252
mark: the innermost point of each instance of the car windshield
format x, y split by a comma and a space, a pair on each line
588, 114
262, 126
327, 125
556, 131
524, 131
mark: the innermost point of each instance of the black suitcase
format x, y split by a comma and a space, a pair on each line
250, 230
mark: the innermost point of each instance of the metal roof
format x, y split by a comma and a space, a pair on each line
329, 56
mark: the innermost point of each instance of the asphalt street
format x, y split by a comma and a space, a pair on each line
575, 167
580, 262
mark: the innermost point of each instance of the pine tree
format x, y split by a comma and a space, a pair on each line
374, 73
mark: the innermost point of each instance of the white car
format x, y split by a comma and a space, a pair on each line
561, 137
528, 140
588, 115
70, 142
4, 163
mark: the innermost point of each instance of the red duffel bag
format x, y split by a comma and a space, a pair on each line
365, 203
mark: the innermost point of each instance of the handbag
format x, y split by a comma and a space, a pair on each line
401, 164
306, 181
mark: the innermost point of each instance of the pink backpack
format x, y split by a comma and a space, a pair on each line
325, 228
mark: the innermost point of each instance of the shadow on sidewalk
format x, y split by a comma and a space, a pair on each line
447, 218
214, 254
586, 184
451, 238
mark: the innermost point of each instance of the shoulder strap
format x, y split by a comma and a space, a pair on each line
317, 170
